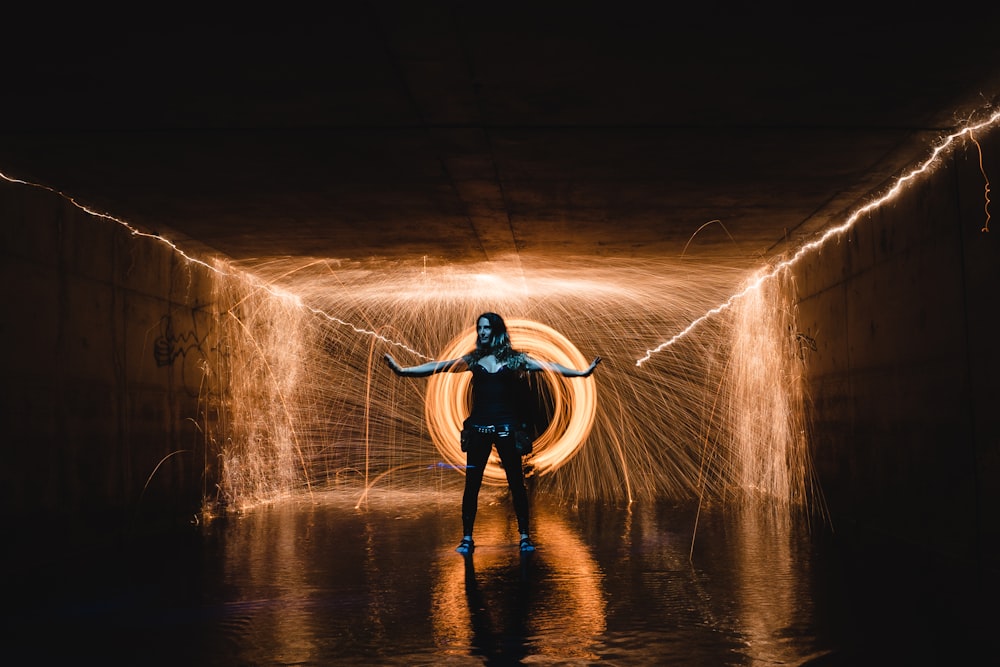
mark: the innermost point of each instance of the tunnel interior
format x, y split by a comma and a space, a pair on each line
792, 288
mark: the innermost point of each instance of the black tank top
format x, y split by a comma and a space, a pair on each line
495, 396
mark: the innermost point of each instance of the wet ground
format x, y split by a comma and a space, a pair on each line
318, 581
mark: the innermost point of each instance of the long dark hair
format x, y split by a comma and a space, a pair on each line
499, 345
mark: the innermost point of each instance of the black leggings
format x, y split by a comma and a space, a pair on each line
478, 454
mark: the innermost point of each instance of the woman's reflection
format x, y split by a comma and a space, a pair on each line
505, 607
498, 612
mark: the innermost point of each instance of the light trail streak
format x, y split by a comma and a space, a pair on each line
153, 473
703, 226
986, 186
851, 220
134, 231
369, 485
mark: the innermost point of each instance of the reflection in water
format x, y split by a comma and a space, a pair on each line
504, 605
264, 563
321, 579
765, 582
318, 581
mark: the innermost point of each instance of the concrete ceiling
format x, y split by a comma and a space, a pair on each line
471, 131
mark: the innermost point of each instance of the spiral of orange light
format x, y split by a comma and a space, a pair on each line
574, 400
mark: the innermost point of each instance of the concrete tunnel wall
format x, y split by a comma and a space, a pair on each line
903, 383
105, 336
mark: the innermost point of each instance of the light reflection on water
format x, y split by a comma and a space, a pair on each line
497, 603
316, 582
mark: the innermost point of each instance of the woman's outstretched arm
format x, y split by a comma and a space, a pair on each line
423, 370
536, 365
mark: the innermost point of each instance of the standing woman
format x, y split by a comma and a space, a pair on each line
496, 370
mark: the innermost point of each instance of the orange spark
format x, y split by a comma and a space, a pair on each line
986, 194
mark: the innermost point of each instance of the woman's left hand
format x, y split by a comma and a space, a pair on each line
593, 365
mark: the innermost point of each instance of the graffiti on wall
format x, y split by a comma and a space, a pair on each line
186, 349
